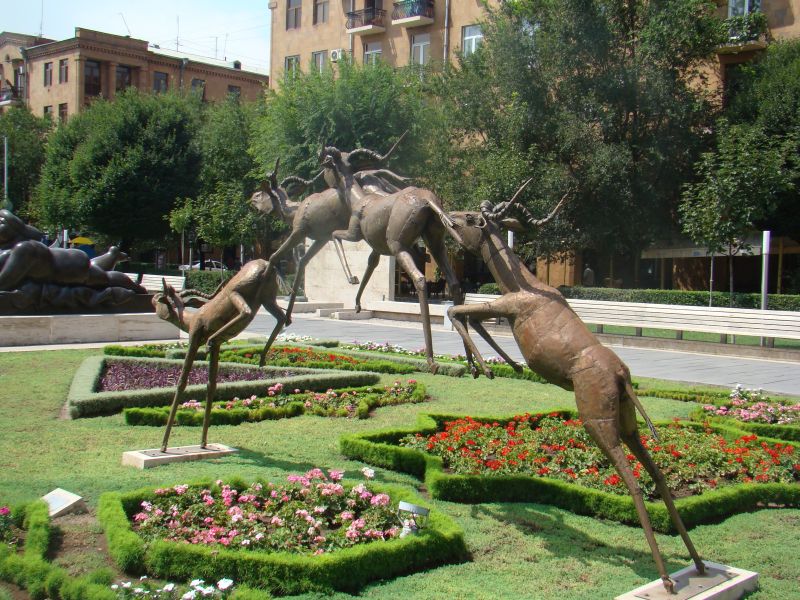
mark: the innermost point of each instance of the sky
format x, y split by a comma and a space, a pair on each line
232, 30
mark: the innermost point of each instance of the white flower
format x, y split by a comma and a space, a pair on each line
114, 586
190, 595
143, 577
169, 587
224, 584
368, 473
208, 591
126, 584
196, 583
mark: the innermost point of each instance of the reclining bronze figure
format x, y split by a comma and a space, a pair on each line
557, 345
218, 318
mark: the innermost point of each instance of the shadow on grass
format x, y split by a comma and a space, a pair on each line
255, 458
547, 523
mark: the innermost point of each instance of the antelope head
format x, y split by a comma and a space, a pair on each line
169, 305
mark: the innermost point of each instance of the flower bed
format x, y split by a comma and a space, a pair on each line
313, 533
122, 375
9, 532
281, 403
755, 411
716, 471
85, 400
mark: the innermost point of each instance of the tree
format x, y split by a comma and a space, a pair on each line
354, 106
738, 184
118, 167
26, 140
598, 98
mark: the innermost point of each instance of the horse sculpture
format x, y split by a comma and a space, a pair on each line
218, 318
557, 345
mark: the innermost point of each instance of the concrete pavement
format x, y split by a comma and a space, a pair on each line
781, 377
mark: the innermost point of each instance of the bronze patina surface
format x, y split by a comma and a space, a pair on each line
218, 318
557, 345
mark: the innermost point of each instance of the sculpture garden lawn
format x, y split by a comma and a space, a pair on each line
516, 549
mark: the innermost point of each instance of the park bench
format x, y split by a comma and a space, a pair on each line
152, 283
768, 324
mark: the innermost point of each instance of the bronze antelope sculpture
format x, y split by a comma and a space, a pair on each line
218, 318
316, 217
391, 225
557, 345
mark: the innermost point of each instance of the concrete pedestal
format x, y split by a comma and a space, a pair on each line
75, 329
145, 459
720, 582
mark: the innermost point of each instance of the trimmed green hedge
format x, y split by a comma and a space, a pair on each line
681, 297
30, 569
380, 449
789, 433
348, 569
206, 281
85, 402
158, 416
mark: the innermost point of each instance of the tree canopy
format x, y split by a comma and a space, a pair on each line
118, 167
26, 142
595, 98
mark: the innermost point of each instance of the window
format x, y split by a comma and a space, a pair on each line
290, 65
48, 74
420, 49
293, 14
91, 78
319, 59
199, 88
372, 52
235, 90
472, 37
738, 8
320, 11
63, 71
48, 112
160, 82
123, 78
62, 112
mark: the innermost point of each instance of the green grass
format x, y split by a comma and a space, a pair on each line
518, 550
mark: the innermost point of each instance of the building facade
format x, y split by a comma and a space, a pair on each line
58, 78
315, 33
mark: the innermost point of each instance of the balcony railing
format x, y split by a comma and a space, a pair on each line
412, 8
746, 28
9, 95
365, 18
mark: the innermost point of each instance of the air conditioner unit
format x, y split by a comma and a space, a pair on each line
337, 54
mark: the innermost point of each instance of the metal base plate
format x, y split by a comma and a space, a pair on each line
145, 459
720, 582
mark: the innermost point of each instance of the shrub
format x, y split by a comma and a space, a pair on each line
84, 401
489, 288
382, 449
682, 297
206, 281
346, 569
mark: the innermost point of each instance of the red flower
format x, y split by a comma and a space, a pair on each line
612, 480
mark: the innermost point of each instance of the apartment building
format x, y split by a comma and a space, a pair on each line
314, 33
58, 78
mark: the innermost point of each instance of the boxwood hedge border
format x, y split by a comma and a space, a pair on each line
379, 448
84, 401
158, 416
348, 569
789, 433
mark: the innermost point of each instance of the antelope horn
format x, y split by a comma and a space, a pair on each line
358, 152
273, 177
553, 213
304, 183
499, 215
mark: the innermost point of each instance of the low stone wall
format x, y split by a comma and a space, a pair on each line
74, 329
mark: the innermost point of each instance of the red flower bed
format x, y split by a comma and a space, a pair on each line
692, 460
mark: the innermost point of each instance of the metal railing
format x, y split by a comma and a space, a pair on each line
747, 28
412, 8
9, 94
367, 16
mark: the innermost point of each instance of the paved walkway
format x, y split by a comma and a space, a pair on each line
773, 376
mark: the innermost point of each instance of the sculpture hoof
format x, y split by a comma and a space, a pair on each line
701, 568
489, 373
358, 308
354, 280
287, 321
669, 585
434, 368
517, 367
474, 372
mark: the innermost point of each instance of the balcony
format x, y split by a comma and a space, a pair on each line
366, 22
745, 33
10, 96
413, 13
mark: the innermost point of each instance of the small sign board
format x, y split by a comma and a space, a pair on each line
62, 502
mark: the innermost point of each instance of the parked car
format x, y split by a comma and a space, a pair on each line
211, 265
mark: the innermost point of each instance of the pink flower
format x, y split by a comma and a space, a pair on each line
335, 475
4, 510
380, 500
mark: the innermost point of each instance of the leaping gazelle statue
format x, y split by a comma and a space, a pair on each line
558, 346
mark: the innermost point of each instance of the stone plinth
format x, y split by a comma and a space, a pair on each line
75, 329
62, 502
720, 582
146, 459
